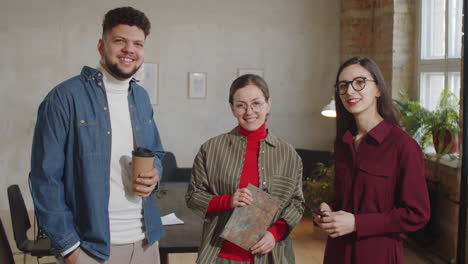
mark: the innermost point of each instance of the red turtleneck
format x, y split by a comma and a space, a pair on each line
249, 175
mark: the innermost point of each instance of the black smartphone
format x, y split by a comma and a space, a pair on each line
315, 211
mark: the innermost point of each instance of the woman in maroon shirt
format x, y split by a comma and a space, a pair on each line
379, 184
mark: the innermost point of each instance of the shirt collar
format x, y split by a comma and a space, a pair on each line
236, 135
112, 84
378, 133
381, 131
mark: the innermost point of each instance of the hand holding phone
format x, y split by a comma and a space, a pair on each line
315, 210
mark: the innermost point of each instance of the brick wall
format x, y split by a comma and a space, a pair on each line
404, 46
383, 30
357, 28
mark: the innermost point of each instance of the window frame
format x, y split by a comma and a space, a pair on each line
446, 64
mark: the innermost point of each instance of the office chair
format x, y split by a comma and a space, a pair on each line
6, 255
172, 173
21, 224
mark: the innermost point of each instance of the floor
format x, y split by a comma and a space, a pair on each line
309, 245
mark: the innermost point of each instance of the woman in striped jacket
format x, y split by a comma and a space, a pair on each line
226, 164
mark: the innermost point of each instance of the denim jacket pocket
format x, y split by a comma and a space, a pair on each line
87, 132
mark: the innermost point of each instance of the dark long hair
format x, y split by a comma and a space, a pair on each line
344, 119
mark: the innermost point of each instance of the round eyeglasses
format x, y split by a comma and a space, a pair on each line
256, 106
357, 83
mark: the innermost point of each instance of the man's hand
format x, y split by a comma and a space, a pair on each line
73, 257
241, 197
146, 182
265, 245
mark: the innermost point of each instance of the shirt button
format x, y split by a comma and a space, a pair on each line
108, 132
262, 168
264, 183
82, 121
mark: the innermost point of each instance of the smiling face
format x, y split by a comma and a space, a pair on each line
362, 102
250, 107
122, 50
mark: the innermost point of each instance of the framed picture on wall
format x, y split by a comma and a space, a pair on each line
197, 85
148, 76
256, 71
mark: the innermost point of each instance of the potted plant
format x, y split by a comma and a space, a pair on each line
439, 127
443, 124
414, 118
318, 187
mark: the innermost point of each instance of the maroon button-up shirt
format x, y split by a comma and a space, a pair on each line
382, 183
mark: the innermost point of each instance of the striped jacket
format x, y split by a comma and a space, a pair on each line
216, 171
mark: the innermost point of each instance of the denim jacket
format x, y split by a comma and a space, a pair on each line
70, 162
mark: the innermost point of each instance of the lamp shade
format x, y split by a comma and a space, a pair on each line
329, 110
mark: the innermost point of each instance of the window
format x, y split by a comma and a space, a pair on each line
440, 49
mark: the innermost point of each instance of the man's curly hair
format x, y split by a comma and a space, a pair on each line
127, 16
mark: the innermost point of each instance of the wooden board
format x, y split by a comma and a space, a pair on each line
248, 224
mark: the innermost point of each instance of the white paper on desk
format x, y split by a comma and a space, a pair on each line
171, 219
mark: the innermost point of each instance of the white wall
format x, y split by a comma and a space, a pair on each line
296, 42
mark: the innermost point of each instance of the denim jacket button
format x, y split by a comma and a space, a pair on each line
99, 83
105, 108
82, 121
108, 132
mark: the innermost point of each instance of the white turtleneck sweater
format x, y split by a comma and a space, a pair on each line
125, 208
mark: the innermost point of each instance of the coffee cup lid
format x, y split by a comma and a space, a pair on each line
142, 152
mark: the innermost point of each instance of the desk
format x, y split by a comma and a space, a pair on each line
178, 238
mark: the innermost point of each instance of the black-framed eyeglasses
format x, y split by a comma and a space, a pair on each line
358, 84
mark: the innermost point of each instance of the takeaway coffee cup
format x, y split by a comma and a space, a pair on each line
142, 161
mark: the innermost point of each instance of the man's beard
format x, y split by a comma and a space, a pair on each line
117, 72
